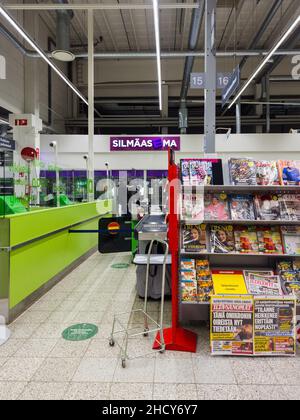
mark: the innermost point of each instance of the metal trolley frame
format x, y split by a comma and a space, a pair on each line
158, 326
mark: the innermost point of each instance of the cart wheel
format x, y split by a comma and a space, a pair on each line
146, 332
111, 342
123, 363
162, 350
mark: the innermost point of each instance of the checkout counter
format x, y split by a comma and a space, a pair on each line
37, 251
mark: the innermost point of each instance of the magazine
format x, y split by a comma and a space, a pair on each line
200, 173
264, 285
242, 171
185, 172
205, 288
298, 331
222, 239
267, 207
188, 286
231, 326
289, 172
290, 207
241, 207
284, 265
187, 264
229, 282
291, 239
216, 207
246, 239
194, 238
192, 206
197, 172
256, 272
269, 240
274, 326
291, 288
267, 173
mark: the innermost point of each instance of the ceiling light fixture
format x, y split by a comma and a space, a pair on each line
157, 42
31, 42
266, 60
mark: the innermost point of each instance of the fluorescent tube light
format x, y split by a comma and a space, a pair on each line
264, 62
31, 42
157, 42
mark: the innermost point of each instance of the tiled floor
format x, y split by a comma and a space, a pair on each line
36, 363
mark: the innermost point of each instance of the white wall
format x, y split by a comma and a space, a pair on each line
12, 90
263, 146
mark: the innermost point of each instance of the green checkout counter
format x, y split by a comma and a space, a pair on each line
37, 251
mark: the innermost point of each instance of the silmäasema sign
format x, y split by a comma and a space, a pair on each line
144, 144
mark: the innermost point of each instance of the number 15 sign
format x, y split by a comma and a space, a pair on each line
198, 80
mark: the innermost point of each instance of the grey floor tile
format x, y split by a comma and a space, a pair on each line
100, 348
292, 392
174, 370
33, 317
218, 392
87, 391
50, 330
213, 371
56, 370
36, 348
131, 391
262, 392
3, 360
174, 391
22, 331
11, 390
95, 370
19, 369
253, 371
137, 370
10, 347
69, 349
44, 391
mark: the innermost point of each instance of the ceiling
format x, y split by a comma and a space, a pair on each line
133, 30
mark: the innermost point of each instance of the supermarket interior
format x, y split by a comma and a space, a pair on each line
150, 201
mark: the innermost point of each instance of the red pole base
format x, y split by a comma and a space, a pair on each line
180, 340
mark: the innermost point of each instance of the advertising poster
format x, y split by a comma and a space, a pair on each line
231, 326
274, 326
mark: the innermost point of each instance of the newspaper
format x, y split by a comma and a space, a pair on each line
231, 326
264, 285
274, 326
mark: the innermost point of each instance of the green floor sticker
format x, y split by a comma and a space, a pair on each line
80, 332
120, 266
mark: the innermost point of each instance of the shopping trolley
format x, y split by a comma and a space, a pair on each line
125, 330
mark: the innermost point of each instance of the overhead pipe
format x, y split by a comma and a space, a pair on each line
141, 55
197, 18
62, 51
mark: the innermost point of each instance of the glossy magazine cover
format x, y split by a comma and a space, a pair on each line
241, 207
267, 172
289, 172
267, 207
222, 239
246, 241
216, 207
242, 171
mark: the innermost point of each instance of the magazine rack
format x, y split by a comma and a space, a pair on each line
175, 337
199, 311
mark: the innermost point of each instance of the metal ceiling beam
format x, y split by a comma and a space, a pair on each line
97, 6
268, 19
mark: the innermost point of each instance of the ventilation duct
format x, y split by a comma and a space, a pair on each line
62, 51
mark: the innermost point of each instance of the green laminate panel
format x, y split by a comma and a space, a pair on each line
28, 226
35, 264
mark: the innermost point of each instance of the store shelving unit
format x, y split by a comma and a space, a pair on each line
195, 311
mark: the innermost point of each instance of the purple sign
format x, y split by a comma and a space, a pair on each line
144, 144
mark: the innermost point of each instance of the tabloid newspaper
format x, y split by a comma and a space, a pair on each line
274, 326
231, 326
264, 285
